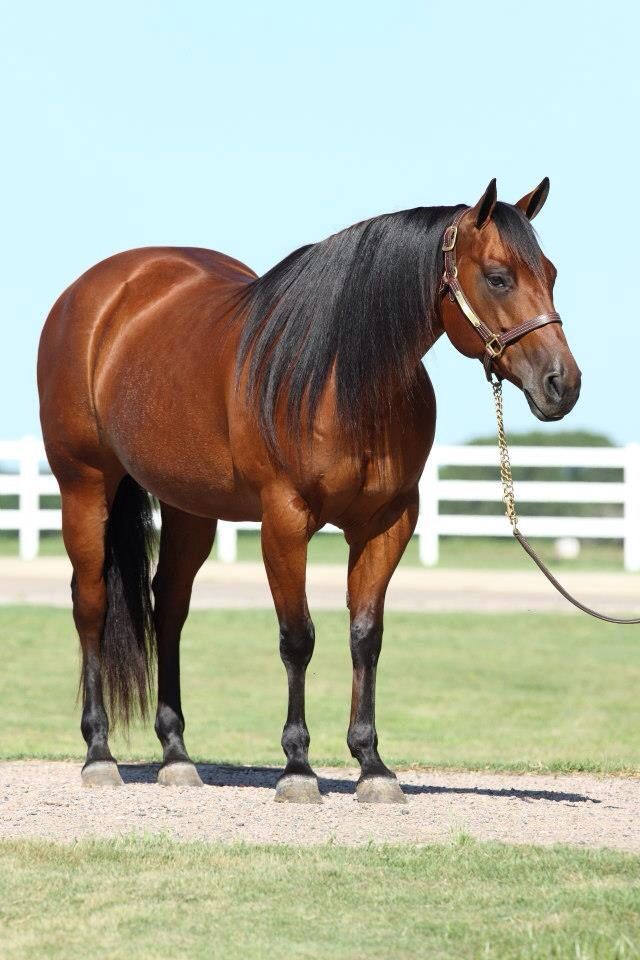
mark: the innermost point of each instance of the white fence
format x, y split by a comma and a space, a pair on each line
30, 481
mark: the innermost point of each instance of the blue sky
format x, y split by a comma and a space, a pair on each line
253, 128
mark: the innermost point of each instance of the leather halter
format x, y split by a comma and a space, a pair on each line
494, 343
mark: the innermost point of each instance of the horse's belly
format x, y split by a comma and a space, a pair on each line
208, 497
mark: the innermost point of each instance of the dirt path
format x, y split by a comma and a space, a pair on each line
43, 799
416, 589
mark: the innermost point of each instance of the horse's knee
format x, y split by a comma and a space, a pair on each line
365, 640
297, 642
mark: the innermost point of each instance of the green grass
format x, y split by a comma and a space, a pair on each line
510, 692
151, 898
493, 553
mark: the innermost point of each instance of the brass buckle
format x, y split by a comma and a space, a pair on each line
449, 239
494, 347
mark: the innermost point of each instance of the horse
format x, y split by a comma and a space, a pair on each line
297, 398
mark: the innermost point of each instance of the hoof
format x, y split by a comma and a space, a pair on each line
179, 775
102, 773
295, 788
380, 790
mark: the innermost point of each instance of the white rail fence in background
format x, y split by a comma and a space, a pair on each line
30, 480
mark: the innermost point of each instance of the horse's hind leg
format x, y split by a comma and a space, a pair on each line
284, 548
84, 518
185, 543
371, 564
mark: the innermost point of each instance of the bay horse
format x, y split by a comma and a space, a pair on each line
297, 398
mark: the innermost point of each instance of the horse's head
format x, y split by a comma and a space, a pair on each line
499, 276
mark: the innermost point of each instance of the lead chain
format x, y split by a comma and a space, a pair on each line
506, 476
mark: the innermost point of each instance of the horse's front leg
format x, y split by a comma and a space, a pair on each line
371, 564
285, 535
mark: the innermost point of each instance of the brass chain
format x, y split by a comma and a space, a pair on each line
506, 476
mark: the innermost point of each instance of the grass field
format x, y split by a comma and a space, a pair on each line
150, 898
456, 552
511, 692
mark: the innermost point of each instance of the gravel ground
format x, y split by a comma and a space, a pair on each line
46, 799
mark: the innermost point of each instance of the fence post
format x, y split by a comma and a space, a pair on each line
226, 542
632, 507
428, 547
29, 534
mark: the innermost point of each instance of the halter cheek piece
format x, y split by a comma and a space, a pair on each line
494, 343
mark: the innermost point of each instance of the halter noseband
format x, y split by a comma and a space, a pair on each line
494, 343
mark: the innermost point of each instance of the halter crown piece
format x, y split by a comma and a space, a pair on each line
494, 343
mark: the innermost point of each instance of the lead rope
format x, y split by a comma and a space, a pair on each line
508, 497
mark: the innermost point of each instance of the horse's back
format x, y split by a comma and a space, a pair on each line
144, 276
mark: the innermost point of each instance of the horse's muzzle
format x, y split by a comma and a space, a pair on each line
555, 393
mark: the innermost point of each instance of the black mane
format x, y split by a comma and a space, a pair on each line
362, 300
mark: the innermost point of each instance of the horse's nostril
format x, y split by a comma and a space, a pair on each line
554, 386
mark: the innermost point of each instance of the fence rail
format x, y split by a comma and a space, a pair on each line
25, 476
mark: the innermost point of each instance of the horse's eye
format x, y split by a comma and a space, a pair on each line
496, 280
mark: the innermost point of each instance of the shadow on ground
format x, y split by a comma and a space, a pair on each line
227, 775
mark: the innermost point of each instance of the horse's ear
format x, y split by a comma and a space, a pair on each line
533, 202
484, 207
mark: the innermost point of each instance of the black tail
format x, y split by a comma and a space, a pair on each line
128, 643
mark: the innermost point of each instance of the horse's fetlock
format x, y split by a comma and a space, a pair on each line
168, 722
361, 738
94, 724
295, 738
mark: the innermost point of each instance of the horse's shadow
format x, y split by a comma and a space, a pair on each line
228, 775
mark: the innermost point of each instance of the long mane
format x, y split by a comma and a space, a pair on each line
358, 304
